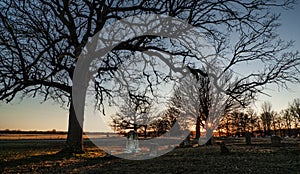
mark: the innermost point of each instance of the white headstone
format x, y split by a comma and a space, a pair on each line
153, 149
132, 144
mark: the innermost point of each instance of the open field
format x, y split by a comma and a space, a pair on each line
39, 156
45, 135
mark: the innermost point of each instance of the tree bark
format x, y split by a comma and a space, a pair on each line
135, 127
198, 124
74, 142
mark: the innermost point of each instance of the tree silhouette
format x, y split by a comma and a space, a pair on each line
202, 103
267, 117
169, 117
295, 109
239, 122
287, 119
40, 42
135, 113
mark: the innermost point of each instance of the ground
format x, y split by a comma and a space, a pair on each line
40, 156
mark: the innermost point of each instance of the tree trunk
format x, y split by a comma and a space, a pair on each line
74, 142
227, 129
81, 78
209, 142
289, 132
248, 138
265, 131
145, 131
198, 124
135, 127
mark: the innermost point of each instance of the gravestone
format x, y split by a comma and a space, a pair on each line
223, 148
248, 138
195, 142
276, 140
209, 141
186, 142
132, 144
153, 149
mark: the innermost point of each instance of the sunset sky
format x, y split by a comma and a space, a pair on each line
31, 114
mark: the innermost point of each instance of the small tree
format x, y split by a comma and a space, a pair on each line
136, 112
253, 120
266, 117
225, 124
287, 118
294, 108
168, 118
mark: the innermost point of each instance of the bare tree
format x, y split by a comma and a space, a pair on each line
274, 122
291, 116
169, 117
287, 119
40, 42
295, 109
280, 123
195, 93
199, 98
135, 113
253, 119
239, 121
226, 125
244, 122
117, 124
267, 117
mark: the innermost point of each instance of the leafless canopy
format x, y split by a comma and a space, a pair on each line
40, 40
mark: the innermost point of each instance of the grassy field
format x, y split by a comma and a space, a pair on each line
40, 156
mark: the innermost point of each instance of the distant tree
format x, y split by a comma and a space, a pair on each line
200, 104
235, 124
136, 112
40, 43
117, 124
174, 108
164, 124
168, 118
160, 126
294, 112
280, 123
226, 124
274, 122
241, 121
267, 117
253, 119
196, 94
245, 122
294, 108
287, 119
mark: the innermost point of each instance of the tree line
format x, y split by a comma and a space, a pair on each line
237, 122
267, 123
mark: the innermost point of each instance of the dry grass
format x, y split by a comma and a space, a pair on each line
36, 156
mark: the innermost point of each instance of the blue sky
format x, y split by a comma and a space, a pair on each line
30, 114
